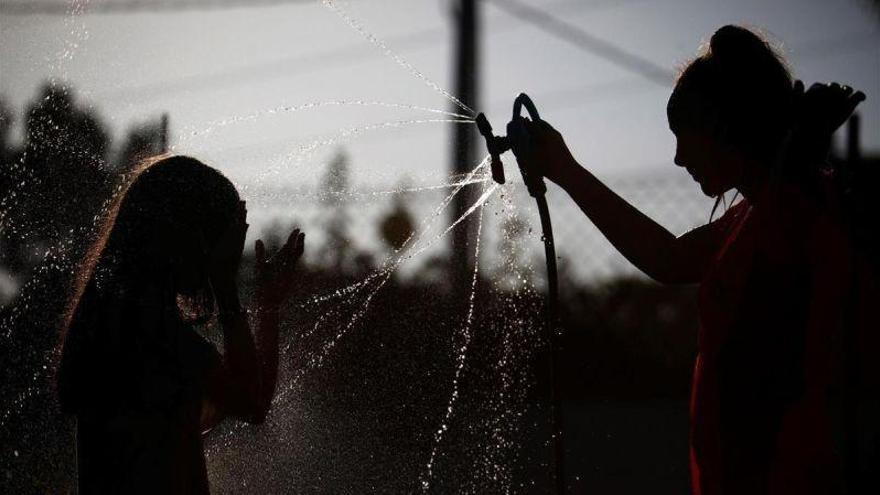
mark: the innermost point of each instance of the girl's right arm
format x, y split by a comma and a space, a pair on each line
645, 243
242, 384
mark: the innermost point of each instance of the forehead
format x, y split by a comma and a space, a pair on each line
690, 109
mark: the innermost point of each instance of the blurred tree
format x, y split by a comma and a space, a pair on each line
65, 159
6, 119
8, 155
337, 251
397, 225
10, 254
143, 141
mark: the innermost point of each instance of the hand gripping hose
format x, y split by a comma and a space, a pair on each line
519, 141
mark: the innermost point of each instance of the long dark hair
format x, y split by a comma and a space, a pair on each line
151, 248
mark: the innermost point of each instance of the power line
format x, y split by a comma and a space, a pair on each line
623, 88
277, 68
850, 42
84, 7
303, 64
586, 41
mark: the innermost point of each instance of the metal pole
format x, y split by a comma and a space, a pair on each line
163, 133
463, 154
850, 358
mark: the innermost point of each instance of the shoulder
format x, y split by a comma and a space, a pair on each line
735, 212
724, 226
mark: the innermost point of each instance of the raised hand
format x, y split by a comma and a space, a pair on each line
276, 275
823, 108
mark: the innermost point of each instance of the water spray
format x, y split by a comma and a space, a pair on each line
519, 142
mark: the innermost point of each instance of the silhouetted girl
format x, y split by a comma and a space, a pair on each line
142, 383
774, 269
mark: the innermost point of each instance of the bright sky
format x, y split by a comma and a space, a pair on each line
201, 66
205, 65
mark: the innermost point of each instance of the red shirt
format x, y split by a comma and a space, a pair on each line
768, 311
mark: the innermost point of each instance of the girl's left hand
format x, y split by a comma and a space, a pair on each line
822, 109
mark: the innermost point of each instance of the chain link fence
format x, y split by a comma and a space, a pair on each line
509, 220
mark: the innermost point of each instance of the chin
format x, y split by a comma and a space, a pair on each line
714, 191
708, 190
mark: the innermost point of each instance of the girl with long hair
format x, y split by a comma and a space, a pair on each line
142, 383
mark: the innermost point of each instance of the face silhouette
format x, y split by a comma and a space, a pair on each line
712, 164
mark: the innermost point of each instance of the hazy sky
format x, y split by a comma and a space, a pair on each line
202, 66
205, 65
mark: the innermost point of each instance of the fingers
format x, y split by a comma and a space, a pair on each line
295, 246
260, 251
299, 247
859, 97
834, 88
541, 130
287, 247
545, 126
538, 125
854, 100
847, 92
851, 97
291, 239
291, 250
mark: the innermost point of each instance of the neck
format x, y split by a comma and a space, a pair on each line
755, 176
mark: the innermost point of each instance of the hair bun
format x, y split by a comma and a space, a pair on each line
731, 43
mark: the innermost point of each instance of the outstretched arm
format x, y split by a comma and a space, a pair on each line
234, 381
645, 243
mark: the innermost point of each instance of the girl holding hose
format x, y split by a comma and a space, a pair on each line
774, 270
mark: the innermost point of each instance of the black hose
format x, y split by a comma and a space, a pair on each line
550, 309
519, 141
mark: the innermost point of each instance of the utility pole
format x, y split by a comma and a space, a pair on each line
466, 25
163, 133
464, 156
855, 480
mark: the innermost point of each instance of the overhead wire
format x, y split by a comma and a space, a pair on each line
586, 41
353, 53
297, 65
20, 8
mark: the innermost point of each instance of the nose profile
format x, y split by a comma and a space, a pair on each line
677, 160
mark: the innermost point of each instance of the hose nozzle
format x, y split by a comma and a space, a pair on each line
517, 140
496, 145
